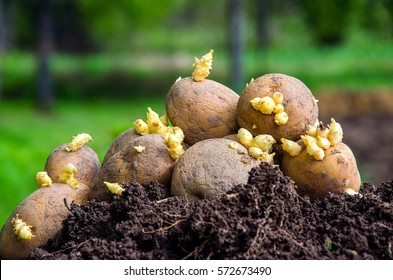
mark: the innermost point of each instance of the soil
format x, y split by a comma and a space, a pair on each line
263, 219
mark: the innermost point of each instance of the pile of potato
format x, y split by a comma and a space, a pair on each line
208, 141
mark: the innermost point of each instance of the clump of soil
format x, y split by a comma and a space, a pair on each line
263, 219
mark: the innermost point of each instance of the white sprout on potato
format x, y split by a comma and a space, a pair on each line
78, 141
155, 124
67, 176
202, 67
141, 127
43, 180
139, 148
258, 146
269, 105
21, 229
114, 188
252, 79
291, 147
318, 139
336, 133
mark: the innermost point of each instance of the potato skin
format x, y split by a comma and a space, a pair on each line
44, 209
316, 178
211, 167
153, 164
298, 103
122, 140
85, 160
203, 110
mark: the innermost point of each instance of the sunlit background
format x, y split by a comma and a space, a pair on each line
94, 66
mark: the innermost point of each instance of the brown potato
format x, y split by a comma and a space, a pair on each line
316, 178
298, 103
44, 210
211, 167
152, 164
122, 140
84, 159
203, 110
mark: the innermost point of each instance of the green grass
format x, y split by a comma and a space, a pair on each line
27, 137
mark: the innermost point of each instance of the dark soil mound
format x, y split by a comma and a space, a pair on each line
264, 219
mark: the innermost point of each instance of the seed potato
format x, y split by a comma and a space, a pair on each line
43, 210
122, 140
144, 159
203, 110
84, 159
298, 104
316, 178
211, 167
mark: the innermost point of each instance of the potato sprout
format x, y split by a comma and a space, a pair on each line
78, 141
268, 105
291, 147
320, 138
141, 127
155, 124
114, 188
67, 176
336, 133
281, 118
258, 146
21, 229
312, 147
174, 142
43, 180
202, 67
263, 141
245, 137
139, 148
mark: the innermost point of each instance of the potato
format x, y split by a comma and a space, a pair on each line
316, 178
84, 159
203, 110
298, 103
122, 140
43, 210
211, 167
151, 163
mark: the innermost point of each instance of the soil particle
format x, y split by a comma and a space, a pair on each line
263, 219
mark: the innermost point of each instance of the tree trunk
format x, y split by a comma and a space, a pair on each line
45, 46
262, 9
236, 18
5, 11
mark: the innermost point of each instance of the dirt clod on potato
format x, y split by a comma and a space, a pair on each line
263, 219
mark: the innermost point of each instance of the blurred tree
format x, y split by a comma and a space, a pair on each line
6, 11
236, 18
70, 32
327, 19
388, 4
45, 47
262, 17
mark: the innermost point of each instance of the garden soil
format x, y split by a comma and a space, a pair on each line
263, 219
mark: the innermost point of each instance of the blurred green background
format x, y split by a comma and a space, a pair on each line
94, 66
